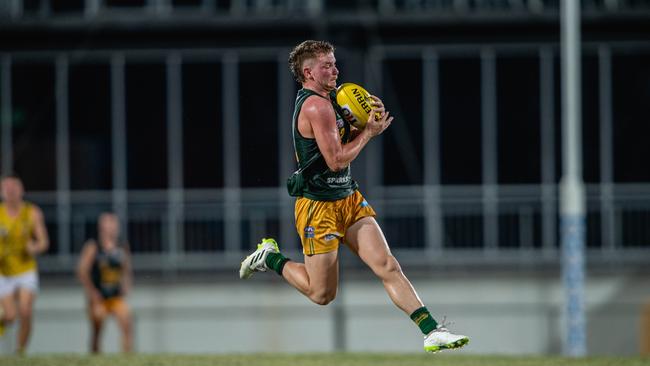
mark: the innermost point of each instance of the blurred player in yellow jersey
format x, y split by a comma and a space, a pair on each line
105, 272
23, 236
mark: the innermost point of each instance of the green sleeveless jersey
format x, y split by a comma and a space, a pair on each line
322, 184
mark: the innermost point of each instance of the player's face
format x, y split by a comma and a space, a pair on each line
324, 72
12, 190
109, 225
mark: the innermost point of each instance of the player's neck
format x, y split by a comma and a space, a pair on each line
107, 243
13, 208
316, 88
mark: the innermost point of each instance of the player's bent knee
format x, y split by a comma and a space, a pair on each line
323, 300
99, 318
323, 297
98, 315
389, 266
9, 316
25, 312
392, 265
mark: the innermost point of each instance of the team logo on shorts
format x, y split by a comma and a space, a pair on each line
309, 232
329, 237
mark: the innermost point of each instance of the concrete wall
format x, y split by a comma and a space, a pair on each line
504, 313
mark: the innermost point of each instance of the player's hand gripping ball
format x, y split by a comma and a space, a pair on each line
355, 102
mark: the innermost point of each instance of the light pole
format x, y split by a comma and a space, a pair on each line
572, 193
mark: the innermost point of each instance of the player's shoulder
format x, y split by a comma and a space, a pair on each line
124, 246
316, 105
34, 209
90, 248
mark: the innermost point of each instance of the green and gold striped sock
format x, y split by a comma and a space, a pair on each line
424, 320
276, 262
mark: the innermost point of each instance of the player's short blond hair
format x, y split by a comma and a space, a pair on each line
10, 176
305, 51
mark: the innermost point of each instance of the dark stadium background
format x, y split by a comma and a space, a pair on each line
518, 107
518, 96
492, 246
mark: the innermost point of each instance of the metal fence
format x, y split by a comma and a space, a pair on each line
430, 220
619, 235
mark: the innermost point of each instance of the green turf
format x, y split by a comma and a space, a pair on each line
324, 359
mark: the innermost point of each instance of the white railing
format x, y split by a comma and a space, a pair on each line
403, 213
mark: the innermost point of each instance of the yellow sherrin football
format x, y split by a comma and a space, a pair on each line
355, 103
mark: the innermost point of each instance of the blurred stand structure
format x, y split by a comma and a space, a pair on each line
175, 115
157, 9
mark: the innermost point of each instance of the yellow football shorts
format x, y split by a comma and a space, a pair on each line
322, 225
115, 305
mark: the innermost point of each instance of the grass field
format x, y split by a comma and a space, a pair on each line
324, 359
